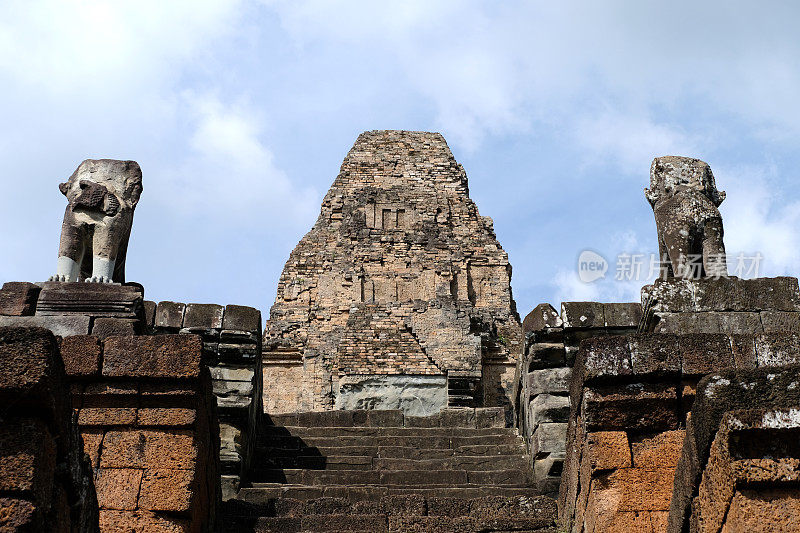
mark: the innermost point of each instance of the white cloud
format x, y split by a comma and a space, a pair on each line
228, 171
569, 288
757, 221
629, 268
100, 47
116, 71
631, 142
596, 71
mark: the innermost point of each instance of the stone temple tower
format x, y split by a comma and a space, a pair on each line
399, 296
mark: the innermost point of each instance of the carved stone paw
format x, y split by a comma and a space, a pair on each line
98, 279
58, 277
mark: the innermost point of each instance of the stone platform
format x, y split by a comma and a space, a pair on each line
726, 305
74, 308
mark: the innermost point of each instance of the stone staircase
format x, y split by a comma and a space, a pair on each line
379, 471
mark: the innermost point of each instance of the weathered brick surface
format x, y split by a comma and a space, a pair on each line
105, 327
637, 406
59, 325
742, 439
167, 489
241, 318
18, 515
123, 449
143, 521
118, 488
27, 458
637, 391
583, 315
659, 451
543, 316
107, 416
205, 316
396, 277
608, 450
169, 315
92, 440
703, 353
44, 482
18, 298
149, 428
231, 339
166, 416
149, 315
81, 354
774, 510
148, 424
32, 375
159, 356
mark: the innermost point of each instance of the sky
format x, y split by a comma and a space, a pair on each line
241, 111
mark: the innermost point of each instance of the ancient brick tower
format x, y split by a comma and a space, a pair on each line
399, 297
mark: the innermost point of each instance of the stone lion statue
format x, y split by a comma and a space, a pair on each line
102, 195
685, 199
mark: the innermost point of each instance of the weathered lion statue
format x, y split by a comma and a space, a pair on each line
102, 195
685, 198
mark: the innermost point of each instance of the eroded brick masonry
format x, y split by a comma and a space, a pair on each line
399, 296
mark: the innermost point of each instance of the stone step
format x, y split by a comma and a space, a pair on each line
484, 450
463, 462
321, 523
482, 417
408, 441
329, 431
433, 524
517, 447
433, 478
359, 462
265, 493
329, 462
399, 452
393, 524
406, 512
401, 505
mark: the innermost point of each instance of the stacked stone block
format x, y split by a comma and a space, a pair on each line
18, 298
231, 340
73, 308
739, 467
726, 305
147, 417
45, 483
551, 342
630, 398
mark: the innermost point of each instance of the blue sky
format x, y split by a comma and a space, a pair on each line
240, 113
